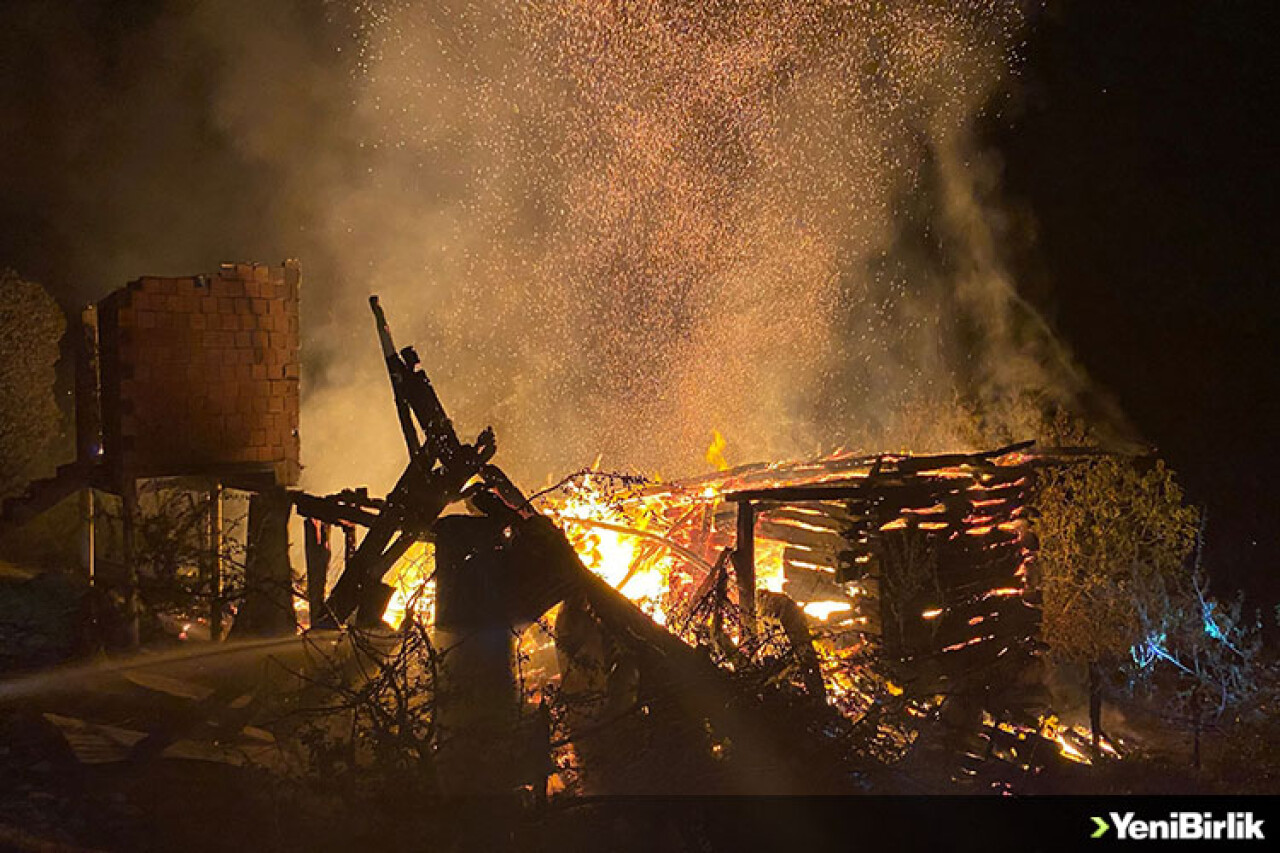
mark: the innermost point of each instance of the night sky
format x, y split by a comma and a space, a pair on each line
1136, 143
1144, 153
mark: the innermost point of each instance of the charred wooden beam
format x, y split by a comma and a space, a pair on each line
438, 471
789, 494
919, 464
679, 670
808, 519
814, 540
744, 563
788, 614
318, 553
332, 509
407, 427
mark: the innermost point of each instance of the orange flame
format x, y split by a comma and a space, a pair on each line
715, 453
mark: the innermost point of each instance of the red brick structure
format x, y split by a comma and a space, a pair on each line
199, 375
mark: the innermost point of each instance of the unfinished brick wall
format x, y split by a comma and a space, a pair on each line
200, 374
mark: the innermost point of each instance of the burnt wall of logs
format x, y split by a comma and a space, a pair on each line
928, 553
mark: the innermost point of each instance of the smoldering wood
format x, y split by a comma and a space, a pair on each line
676, 669
711, 590
768, 528
784, 609
970, 506
521, 564
440, 466
341, 508
822, 559
834, 516
318, 553
403, 414
348, 543
533, 566
811, 584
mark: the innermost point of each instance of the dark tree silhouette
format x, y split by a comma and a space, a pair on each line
31, 326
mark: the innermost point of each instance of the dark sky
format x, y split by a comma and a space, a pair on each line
1147, 154
1138, 145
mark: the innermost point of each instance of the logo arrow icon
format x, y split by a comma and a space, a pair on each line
1102, 828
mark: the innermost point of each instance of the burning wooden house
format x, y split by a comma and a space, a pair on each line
926, 557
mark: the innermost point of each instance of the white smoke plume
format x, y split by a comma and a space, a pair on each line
612, 227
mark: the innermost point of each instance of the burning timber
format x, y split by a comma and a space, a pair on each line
792, 621
849, 623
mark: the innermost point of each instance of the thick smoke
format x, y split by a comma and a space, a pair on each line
611, 228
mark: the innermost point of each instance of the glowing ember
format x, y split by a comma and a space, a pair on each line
822, 610
1070, 751
715, 453
609, 535
413, 585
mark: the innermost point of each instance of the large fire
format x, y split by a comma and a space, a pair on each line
661, 543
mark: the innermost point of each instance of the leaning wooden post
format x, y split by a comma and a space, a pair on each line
744, 564
129, 543
349, 543
88, 549
88, 429
317, 551
215, 561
